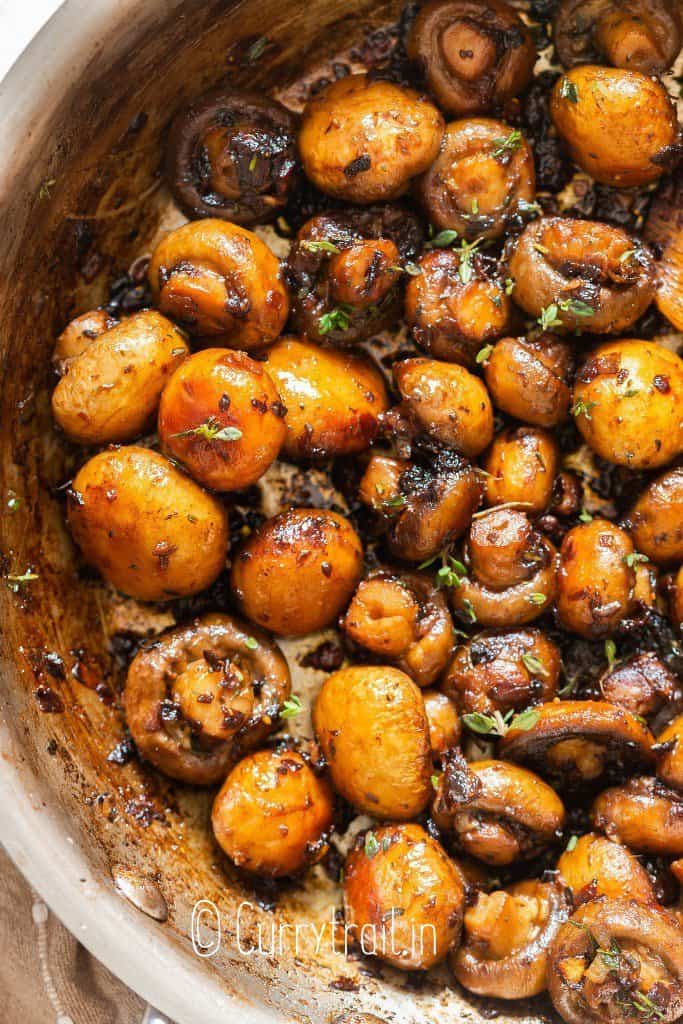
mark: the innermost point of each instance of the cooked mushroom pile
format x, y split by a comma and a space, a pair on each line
485, 371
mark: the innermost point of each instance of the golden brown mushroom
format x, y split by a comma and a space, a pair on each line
596, 578
656, 520
528, 378
594, 866
670, 754
642, 35
644, 814
664, 228
641, 684
521, 467
444, 723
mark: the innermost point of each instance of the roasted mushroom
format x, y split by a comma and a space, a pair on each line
575, 743
507, 936
297, 571
644, 814
582, 275
444, 723
221, 416
151, 531
219, 280
628, 403
596, 578
664, 228
232, 155
511, 571
528, 378
656, 520
473, 55
594, 106
403, 619
365, 139
677, 599
620, 961
503, 671
521, 466
641, 684
345, 271
593, 866
456, 303
501, 815
79, 334
272, 814
110, 389
483, 176
333, 399
403, 897
642, 35
670, 754
202, 694
372, 729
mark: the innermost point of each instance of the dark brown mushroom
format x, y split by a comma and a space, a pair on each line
643, 35
670, 754
664, 226
644, 814
641, 684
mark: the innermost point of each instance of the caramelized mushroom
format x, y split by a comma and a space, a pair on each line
364, 140
272, 814
202, 694
593, 106
521, 466
642, 35
677, 599
641, 684
405, 620
444, 723
403, 897
232, 155
528, 378
644, 814
596, 578
502, 671
483, 176
513, 568
79, 334
508, 933
297, 571
582, 275
595, 866
455, 304
474, 55
664, 228
628, 403
617, 960
220, 280
578, 742
656, 520
372, 729
503, 815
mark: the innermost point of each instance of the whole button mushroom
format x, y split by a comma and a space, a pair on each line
595, 866
670, 754
521, 467
644, 814
664, 228
528, 378
641, 35
444, 723
656, 520
596, 578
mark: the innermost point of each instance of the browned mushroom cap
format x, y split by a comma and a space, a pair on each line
500, 671
444, 722
664, 225
79, 334
521, 467
677, 599
578, 742
232, 155
595, 866
404, 619
670, 754
617, 961
596, 578
593, 276
528, 378
641, 684
644, 814
483, 175
474, 55
644, 35
656, 519
180, 747
497, 812
507, 936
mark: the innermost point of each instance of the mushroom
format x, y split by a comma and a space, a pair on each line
644, 814
521, 467
200, 695
444, 723
664, 228
576, 743
232, 155
594, 866
641, 684
670, 754
596, 578
656, 519
528, 378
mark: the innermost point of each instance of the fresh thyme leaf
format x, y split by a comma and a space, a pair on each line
371, 846
581, 408
398, 501
585, 516
291, 707
484, 354
45, 190
466, 250
568, 91
635, 558
468, 609
525, 720
211, 430
509, 285
336, 320
16, 582
509, 145
549, 317
320, 245
537, 598
480, 723
534, 665
436, 779
442, 240
251, 643
571, 845
412, 269
610, 652
257, 49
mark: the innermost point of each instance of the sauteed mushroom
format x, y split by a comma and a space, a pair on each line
656, 520
512, 571
582, 275
219, 280
595, 866
372, 728
483, 176
404, 619
642, 684
664, 228
670, 754
444, 722
110, 389
508, 933
365, 140
644, 814
202, 694
232, 155
151, 531
528, 378
474, 56
221, 416
79, 334
506, 814
677, 599
403, 897
642, 35
596, 578
521, 464
592, 106
505, 670
455, 304
297, 571
617, 960
577, 742
272, 814
627, 403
